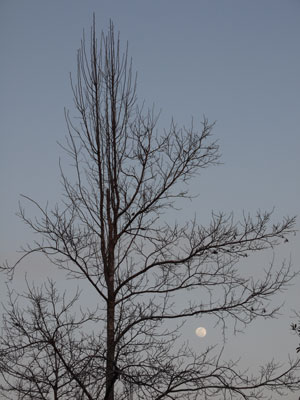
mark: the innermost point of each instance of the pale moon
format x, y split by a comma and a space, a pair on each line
201, 332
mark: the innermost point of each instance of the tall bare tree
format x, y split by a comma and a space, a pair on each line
148, 275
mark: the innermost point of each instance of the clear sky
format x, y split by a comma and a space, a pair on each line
236, 61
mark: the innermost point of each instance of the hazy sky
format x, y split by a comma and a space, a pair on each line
236, 61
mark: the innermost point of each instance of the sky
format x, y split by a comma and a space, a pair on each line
236, 62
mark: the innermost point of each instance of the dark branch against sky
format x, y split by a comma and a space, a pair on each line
236, 63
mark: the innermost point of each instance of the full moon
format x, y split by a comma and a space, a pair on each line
201, 332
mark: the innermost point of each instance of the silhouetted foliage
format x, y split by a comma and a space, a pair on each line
296, 329
145, 273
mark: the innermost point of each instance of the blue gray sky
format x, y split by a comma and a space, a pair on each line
236, 62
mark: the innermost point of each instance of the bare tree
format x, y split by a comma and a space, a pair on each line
43, 348
144, 272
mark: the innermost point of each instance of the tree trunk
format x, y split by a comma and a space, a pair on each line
110, 332
110, 362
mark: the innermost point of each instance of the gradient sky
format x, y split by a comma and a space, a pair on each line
236, 61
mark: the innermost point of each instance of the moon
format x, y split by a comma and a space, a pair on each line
201, 332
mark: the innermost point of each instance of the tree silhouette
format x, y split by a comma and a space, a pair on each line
148, 276
296, 329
